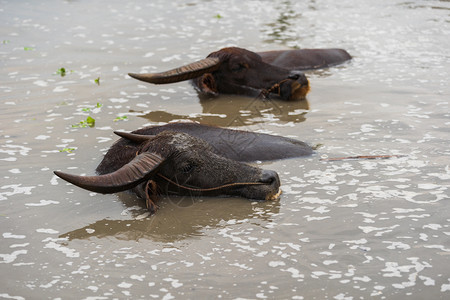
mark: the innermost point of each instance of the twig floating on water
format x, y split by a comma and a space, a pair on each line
362, 157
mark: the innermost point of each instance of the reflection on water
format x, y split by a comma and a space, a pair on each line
439, 4
178, 218
282, 30
443, 5
238, 111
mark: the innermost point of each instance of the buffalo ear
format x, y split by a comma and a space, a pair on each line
207, 84
140, 169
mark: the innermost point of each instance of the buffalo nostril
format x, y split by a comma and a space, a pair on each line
299, 77
270, 177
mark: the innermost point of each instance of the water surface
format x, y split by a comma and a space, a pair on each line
341, 230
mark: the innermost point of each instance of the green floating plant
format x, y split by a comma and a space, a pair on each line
88, 109
89, 122
28, 48
62, 72
121, 118
68, 150
97, 80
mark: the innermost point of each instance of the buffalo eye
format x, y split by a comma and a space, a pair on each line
188, 168
239, 67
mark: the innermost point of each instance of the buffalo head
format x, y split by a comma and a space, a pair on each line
236, 71
178, 163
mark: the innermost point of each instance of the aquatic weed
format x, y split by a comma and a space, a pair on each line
89, 122
62, 72
68, 150
123, 118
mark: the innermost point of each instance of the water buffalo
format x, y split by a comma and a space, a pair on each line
240, 71
190, 159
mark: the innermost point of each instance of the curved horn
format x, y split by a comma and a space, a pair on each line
136, 171
138, 138
186, 72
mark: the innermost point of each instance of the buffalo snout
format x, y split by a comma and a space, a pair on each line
272, 185
270, 177
299, 76
295, 87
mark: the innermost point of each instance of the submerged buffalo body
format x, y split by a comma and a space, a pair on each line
189, 159
240, 71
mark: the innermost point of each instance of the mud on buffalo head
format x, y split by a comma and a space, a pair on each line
236, 71
175, 163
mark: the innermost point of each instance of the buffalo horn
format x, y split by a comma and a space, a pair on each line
141, 168
190, 71
138, 138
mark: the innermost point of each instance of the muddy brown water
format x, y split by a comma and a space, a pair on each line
342, 230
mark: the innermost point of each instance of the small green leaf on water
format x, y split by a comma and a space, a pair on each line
87, 109
68, 150
218, 16
121, 118
97, 80
28, 48
61, 71
5, 42
89, 122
